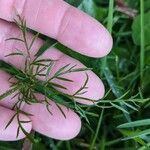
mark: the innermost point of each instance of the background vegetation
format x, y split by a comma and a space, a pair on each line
122, 121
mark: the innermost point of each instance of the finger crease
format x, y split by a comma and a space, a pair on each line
61, 29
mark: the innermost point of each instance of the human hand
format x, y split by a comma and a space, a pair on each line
73, 28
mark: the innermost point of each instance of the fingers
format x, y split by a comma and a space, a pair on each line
58, 125
54, 124
10, 133
59, 20
95, 88
10, 30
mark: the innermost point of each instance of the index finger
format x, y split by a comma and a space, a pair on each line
59, 20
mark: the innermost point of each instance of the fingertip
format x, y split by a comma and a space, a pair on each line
98, 42
84, 34
94, 90
73, 127
54, 125
104, 42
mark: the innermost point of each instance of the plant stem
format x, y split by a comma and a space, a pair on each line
109, 26
110, 15
27, 145
142, 39
68, 145
97, 130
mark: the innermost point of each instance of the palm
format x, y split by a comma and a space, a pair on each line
66, 24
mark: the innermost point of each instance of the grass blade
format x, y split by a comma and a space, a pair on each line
142, 38
137, 123
138, 134
97, 130
120, 108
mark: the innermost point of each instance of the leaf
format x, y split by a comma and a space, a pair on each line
14, 54
130, 106
58, 85
16, 39
61, 110
47, 107
89, 7
8, 92
61, 70
25, 121
26, 113
83, 87
136, 29
130, 132
119, 107
18, 131
116, 89
138, 134
81, 69
33, 40
10, 121
42, 60
137, 123
64, 79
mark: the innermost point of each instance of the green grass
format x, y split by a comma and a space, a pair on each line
142, 38
97, 130
121, 119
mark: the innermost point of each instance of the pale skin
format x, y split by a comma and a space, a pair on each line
73, 28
